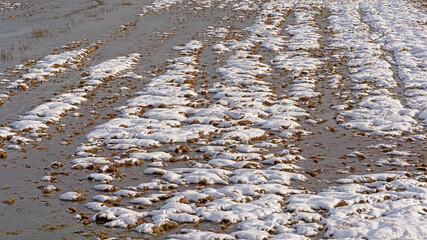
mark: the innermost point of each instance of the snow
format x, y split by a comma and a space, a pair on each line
356, 27
72, 196
51, 65
37, 119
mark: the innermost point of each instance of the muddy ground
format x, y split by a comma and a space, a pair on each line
35, 28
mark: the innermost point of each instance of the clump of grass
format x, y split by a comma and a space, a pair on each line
126, 2
39, 32
342, 203
6, 55
9, 201
102, 10
88, 235
51, 228
3, 154
80, 198
91, 14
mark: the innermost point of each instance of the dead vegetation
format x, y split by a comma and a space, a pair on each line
39, 32
126, 2
6, 55
3, 154
9, 201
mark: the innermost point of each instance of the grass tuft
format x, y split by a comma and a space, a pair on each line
39, 32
